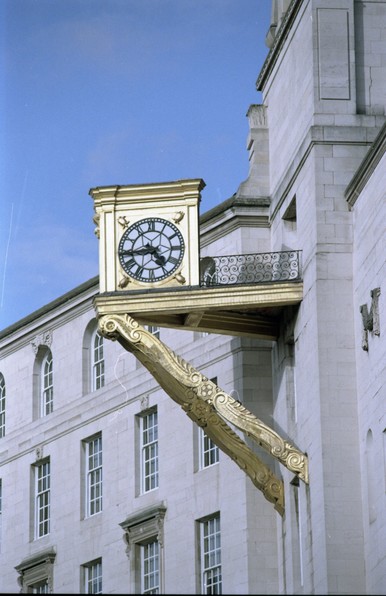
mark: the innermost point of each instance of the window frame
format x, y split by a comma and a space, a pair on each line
206, 555
93, 476
42, 498
154, 330
150, 566
95, 569
46, 385
97, 361
148, 450
207, 449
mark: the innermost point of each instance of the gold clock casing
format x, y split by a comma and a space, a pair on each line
119, 207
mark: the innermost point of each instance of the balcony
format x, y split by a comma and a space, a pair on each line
242, 295
250, 269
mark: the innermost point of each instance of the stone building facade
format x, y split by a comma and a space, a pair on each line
107, 486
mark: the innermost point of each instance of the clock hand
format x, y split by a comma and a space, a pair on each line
159, 259
144, 250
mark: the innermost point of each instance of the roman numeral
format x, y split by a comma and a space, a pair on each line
130, 263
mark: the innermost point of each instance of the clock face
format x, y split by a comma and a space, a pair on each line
151, 249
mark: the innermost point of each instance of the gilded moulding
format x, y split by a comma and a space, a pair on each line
194, 393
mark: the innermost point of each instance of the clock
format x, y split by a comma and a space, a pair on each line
148, 236
151, 249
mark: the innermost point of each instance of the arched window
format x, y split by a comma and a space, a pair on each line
97, 361
46, 385
2, 406
93, 362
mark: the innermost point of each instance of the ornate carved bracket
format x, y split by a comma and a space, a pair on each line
42, 339
370, 320
209, 407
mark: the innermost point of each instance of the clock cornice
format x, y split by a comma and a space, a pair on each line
185, 191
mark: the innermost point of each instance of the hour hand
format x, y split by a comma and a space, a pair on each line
160, 260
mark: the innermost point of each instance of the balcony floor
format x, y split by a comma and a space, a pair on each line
240, 310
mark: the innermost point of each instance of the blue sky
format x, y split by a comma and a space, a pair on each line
100, 92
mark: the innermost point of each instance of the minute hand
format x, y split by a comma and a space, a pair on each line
144, 250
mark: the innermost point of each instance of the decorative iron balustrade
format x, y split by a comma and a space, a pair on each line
250, 269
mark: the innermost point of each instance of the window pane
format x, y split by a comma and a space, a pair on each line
150, 568
211, 556
149, 450
41, 588
42, 473
209, 452
98, 364
94, 476
94, 578
47, 396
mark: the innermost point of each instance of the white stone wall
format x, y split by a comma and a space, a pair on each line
187, 493
316, 403
369, 216
289, 97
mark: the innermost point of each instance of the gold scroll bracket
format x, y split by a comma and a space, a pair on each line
209, 407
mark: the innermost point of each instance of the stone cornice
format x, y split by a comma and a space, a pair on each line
367, 167
317, 135
279, 40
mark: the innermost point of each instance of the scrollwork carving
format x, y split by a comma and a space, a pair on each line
196, 394
96, 219
209, 406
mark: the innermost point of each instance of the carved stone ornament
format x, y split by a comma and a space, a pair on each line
36, 569
144, 402
146, 524
96, 219
42, 339
123, 221
177, 217
370, 319
210, 407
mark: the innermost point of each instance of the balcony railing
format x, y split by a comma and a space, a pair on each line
250, 269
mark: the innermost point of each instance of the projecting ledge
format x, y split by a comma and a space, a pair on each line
249, 310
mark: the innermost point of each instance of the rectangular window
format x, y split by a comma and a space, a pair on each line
42, 499
150, 568
149, 451
154, 330
94, 475
210, 555
209, 452
93, 577
40, 588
